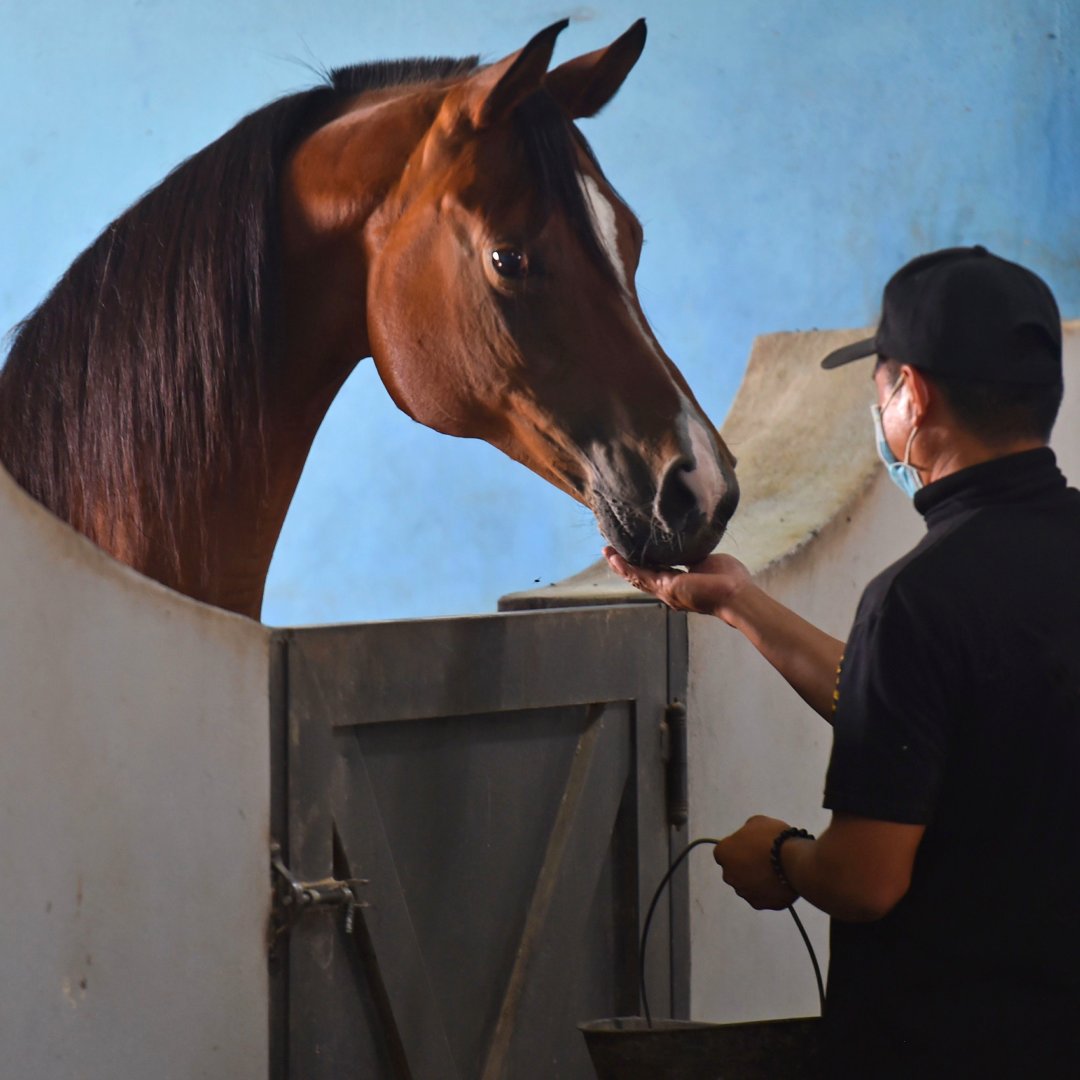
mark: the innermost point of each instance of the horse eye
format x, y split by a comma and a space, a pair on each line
509, 262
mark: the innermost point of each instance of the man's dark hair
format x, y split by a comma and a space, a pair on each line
995, 412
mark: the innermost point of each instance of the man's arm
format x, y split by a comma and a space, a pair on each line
858, 870
807, 657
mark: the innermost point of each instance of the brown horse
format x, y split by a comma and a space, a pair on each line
445, 218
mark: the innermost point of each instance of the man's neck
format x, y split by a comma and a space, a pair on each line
963, 452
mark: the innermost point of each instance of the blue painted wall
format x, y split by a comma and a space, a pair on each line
785, 158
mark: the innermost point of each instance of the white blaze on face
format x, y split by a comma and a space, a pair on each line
705, 480
605, 224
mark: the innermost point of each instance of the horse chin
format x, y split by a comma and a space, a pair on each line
646, 544
682, 552
678, 551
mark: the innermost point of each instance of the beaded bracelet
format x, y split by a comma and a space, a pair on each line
774, 852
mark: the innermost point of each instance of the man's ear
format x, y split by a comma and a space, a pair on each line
583, 86
921, 392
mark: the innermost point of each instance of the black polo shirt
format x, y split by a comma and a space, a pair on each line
958, 708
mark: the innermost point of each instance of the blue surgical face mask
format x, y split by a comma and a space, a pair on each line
902, 473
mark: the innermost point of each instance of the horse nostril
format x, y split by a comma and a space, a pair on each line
676, 501
686, 500
728, 502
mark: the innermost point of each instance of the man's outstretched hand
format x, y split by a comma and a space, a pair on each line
708, 587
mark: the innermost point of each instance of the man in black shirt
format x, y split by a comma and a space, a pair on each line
951, 865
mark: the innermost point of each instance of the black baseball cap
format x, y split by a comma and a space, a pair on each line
968, 313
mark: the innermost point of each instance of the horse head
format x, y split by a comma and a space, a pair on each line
498, 284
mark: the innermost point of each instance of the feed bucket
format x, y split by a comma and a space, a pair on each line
626, 1048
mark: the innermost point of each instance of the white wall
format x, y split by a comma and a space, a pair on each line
134, 812
754, 746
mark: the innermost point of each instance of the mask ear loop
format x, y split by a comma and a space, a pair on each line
892, 393
907, 447
914, 430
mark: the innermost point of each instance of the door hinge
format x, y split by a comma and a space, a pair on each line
678, 793
292, 897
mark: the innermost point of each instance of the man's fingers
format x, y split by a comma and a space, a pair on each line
618, 563
640, 577
637, 576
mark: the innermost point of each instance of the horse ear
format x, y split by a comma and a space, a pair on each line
497, 90
582, 87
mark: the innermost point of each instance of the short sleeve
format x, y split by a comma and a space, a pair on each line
892, 715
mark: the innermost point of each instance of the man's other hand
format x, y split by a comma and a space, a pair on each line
746, 858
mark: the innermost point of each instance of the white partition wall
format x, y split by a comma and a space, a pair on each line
134, 819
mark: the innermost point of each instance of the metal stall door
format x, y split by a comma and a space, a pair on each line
497, 784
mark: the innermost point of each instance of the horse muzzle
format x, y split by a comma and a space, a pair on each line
678, 522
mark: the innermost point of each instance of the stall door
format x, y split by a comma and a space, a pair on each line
496, 787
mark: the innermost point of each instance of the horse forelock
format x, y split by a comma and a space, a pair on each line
553, 146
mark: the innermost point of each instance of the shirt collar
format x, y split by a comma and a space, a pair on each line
1013, 478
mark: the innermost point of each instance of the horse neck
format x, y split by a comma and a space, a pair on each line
214, 542
324, 326
336, 180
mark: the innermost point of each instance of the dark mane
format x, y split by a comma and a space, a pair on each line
384, 74
149, 359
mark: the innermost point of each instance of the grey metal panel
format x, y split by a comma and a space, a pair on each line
469, 807
570, 937
545, 977
479, 664
419, 1034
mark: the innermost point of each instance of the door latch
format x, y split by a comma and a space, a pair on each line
292, 897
